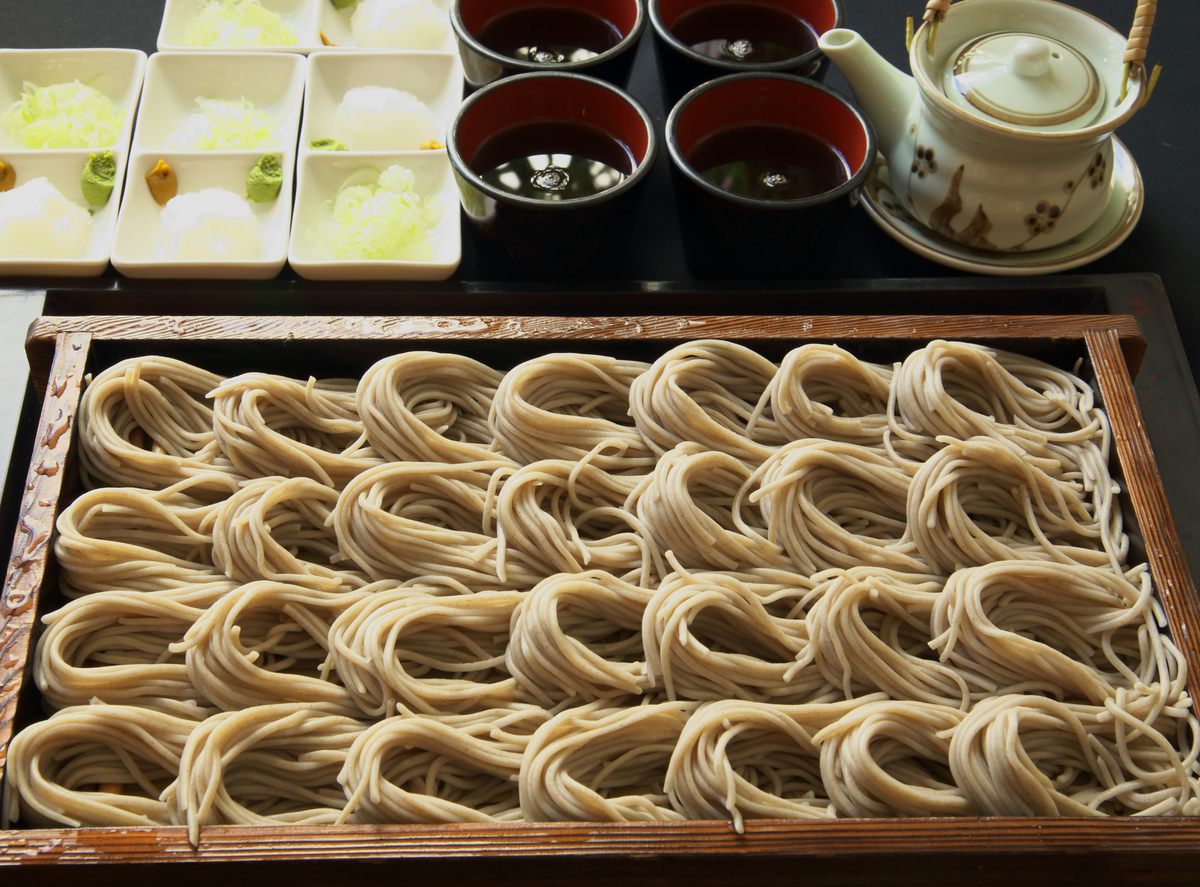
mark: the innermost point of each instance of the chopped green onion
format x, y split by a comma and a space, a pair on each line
386, 219
225, 126
238, 23
64, 115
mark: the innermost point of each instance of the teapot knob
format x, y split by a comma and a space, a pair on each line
1031, 57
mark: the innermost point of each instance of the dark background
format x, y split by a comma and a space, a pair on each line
1162, 139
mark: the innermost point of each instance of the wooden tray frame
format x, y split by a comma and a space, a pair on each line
1156, 849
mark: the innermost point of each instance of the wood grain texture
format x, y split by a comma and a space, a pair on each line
813, 838
1168, 565
39, 509
555, 327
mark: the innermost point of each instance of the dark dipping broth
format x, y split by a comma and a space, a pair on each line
549, 35
552, 160
769, 162
745, 32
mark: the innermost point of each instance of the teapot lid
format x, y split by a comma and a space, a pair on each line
1024, 80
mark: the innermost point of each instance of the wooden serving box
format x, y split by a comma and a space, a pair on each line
62, 350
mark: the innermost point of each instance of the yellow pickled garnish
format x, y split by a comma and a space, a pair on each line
8, 177
162, 183
325, 39
431, 145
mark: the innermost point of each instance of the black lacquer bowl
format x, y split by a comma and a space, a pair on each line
731, 235
550, 238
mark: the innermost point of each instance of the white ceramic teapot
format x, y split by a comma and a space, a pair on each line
1002, 138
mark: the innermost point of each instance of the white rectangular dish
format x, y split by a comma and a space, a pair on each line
434, 79
318, 24
274, 84
115, 73
337, 31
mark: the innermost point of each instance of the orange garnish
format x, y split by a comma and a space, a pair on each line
162, 183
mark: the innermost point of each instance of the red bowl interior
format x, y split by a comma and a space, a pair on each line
821, 14
765, 100
551, 97
621, 13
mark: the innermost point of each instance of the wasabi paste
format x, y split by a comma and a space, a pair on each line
265, 180
99, 176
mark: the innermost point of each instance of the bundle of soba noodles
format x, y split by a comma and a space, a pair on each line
592, 588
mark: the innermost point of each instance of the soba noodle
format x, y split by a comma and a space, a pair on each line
596, 589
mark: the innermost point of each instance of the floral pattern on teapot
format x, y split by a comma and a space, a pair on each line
1035, 176
1040, 222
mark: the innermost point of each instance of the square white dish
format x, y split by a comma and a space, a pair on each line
323, 173
63, 168
272, 82
434, 78
136, 251
336, 26
117, 73
301, 15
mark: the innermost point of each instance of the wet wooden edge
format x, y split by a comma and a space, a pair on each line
763, 838
39, 510
1168, 565
1116, 349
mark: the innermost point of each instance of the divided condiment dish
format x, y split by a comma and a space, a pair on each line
115, 73
274, 84
136, 252
63, 170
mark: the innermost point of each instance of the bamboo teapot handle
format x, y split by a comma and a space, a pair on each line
1135, 48
1139, 34
935, 10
